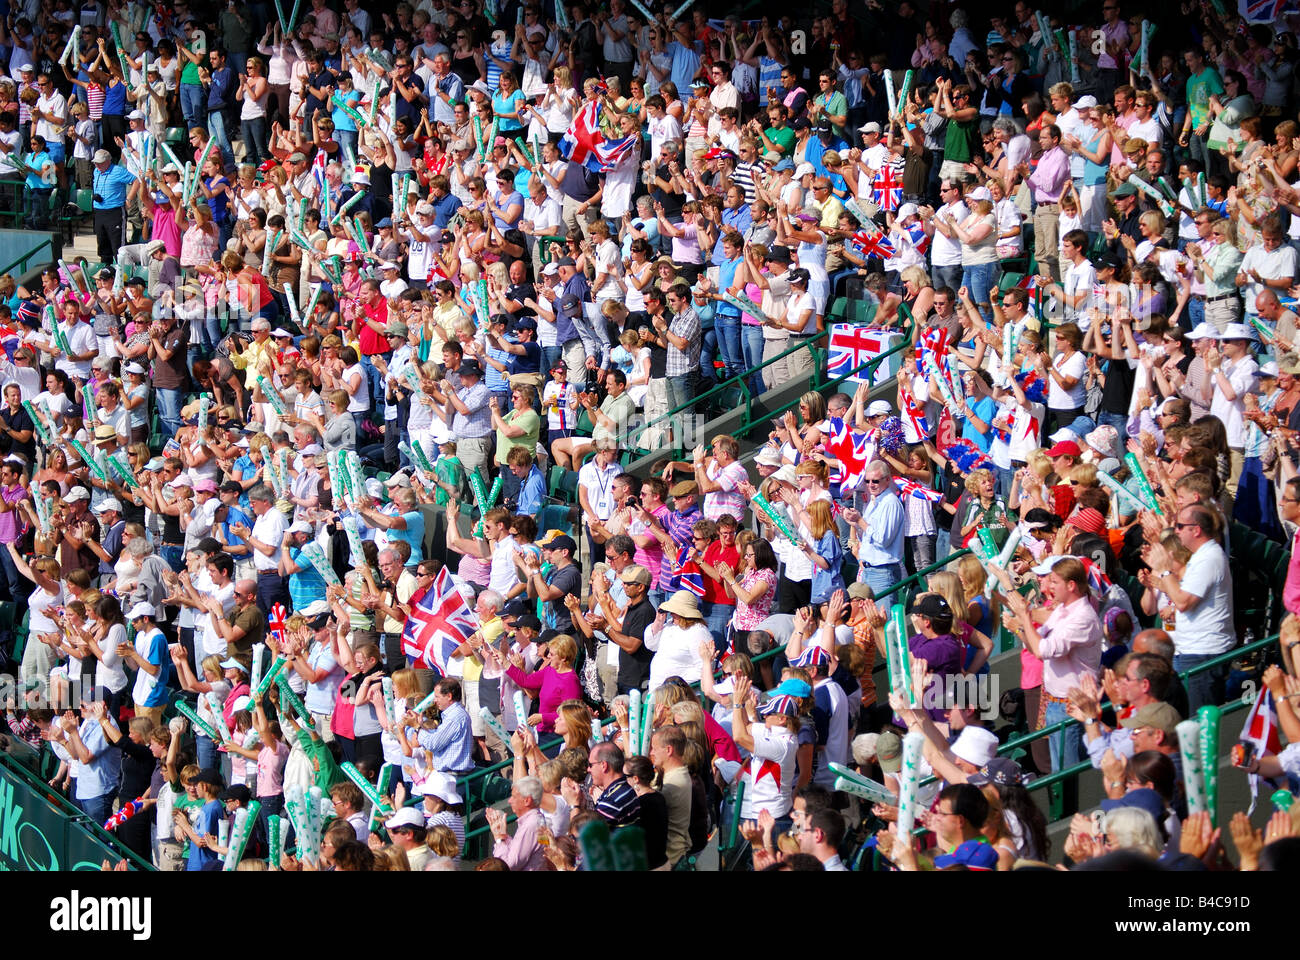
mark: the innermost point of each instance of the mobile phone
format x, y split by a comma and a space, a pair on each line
1242, 753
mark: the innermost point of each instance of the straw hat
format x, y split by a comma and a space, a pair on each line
684, 604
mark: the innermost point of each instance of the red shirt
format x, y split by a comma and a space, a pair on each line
714, 591
372, 342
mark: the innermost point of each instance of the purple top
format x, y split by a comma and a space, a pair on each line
943, 654
555, 689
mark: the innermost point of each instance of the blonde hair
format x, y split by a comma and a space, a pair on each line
1084, 474
405, 683
820, 520
564, 647
975, 478
948, 585
577, 718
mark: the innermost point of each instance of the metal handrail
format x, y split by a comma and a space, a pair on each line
23, 260
741, 380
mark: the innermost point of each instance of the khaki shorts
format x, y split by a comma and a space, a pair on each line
171, 858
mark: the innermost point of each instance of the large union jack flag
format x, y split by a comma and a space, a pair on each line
439, 623
850, 448
584, 143
873, 244
1264, 11
850, 348
887, 189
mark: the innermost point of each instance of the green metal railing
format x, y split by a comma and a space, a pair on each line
746, 397
29, 256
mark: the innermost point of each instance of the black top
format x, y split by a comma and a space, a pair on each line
654, 821
138, 766
634, 668
18, 421
568, 581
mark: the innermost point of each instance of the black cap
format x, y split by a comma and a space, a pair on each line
529, 621
525, 323
237, 791
231, 486
779, 254
470, 368
931, 605
800, 123
562, 542
570, 302
823, 128
565, 262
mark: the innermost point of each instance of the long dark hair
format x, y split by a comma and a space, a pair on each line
1016, 800
764, 556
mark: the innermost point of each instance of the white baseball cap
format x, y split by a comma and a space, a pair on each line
141, 610
406, 817
879, 408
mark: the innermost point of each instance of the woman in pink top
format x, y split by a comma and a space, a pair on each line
756, 588
271, 755
163, 205
553, 683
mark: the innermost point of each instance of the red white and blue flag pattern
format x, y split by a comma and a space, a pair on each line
439, 623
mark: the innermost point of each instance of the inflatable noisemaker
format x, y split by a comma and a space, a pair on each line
116, 464
255, 677
244, 820
492, 496
1208, 717
1169, 191
640, 8
268, 251
87, 459
365, 786
1003, 559
293, 17
426, 703
1144, 485
1074, 57
479, 491
399, 199
356, 477
336, 487
390, 704
291, 298
494, 725
42, 507
1261, 326
676, 14
197, 722
273, 476
478, 134
204, 400
936, 377
745, 305
904, 90
272, 395
1044, 29
481, 303
777, 519
1200, 189
898, 656
214, 707
343, 209
42, 432
325, 206
362, 241
420, 458
633, 745
71, 45
290, 699
284, 29
561, 20
275, 837
891, 99
315, 797
223, 832
987, 541
647, 722
1150, 190
268, 678
521, 713
361, 120
1189, 747
354, 541
908, 778
862, 786
295, 805
1120, 491
198, 170
125, 812
1282, 799
1010, 342
385, 784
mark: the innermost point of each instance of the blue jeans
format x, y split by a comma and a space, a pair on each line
194, 105
1195, 314
1004, 478
174, 554
217, 130
1204, 688
169, 411
727, 330
751, 345
98, 808
205, 753
551, 356
253, 133
347, 142
946, 277
681, 391
13, 579
1117, 420
375, 380
717, 616
881, 578
943, 546
979, 279
1073, 745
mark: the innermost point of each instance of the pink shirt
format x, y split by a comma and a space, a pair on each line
1291, 590
728, 500
1070, 645
270, 769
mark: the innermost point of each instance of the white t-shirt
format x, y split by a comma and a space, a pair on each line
771, 772
207, 636
945, 251
1079, 278
503, 577
676, 652
1076, 367
145, 682
836, 749
1242, 375
269, 529
1207, 627
109, 672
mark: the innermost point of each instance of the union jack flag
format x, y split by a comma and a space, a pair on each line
439, 623
1098, 582
915, 415
850, 348
584, 143
1261, 729
874, 244
9, 339
851, 449
916, 233
1264, 11
275, 622
887, 189
436, 273
911, 488
933, 341
318, 163
1029, 284
687, 574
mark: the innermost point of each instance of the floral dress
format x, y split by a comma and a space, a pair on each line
747, 616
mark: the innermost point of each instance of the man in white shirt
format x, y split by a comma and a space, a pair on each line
542, 216
1269, 263
1203, 599
49, 114
1074, 292
266, 538
822, 836
724, 94
1233, 373
945, 248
